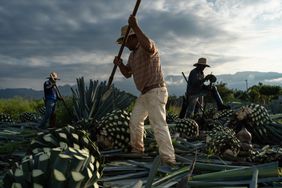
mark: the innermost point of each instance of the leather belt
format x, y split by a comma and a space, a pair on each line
148, 88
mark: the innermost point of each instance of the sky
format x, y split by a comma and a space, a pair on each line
77, 38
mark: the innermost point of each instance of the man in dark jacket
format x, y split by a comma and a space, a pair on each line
196, 88
50, 98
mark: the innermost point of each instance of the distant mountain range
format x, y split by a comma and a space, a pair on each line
176, 84
30, 93
239, 80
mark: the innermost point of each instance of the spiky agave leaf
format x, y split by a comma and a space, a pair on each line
95, 101
114, 126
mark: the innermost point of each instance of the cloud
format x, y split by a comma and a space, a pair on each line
77, 38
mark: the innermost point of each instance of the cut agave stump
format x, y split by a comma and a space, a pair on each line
67, 158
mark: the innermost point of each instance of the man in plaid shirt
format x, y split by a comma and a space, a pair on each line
144, 65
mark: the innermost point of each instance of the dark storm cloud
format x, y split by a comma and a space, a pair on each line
40, 28
48, 28
164, 25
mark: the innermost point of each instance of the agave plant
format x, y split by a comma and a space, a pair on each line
30, 117
95, 106
5, 118
114, 130
55, 167
223, 115
96, 101
258, 121
41, 110
187, 128
63, 157
222, 139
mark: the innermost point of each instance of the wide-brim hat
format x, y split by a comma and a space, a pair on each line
202, 61
54, 76
123, 32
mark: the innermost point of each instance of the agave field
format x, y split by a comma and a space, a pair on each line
238, 147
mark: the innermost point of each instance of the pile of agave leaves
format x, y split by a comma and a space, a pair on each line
94, 150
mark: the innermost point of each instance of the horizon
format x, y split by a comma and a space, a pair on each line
175, 83
78, 38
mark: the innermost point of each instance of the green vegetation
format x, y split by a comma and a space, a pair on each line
63, 117
260, 94
18, 105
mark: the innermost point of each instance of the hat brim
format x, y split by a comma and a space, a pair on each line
55, 78
120, 39
196, 64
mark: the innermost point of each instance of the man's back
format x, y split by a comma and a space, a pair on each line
195, 81
49, 91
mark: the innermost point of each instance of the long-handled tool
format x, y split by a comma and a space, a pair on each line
122, 45
61, 97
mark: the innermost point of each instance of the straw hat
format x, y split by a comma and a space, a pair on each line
123, 32
54, 76
202, 61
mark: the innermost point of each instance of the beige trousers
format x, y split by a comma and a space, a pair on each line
152, 104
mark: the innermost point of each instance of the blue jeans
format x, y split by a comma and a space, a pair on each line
50, 106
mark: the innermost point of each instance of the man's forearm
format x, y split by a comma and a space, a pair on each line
124, 70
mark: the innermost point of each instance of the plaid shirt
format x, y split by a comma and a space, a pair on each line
145, 67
